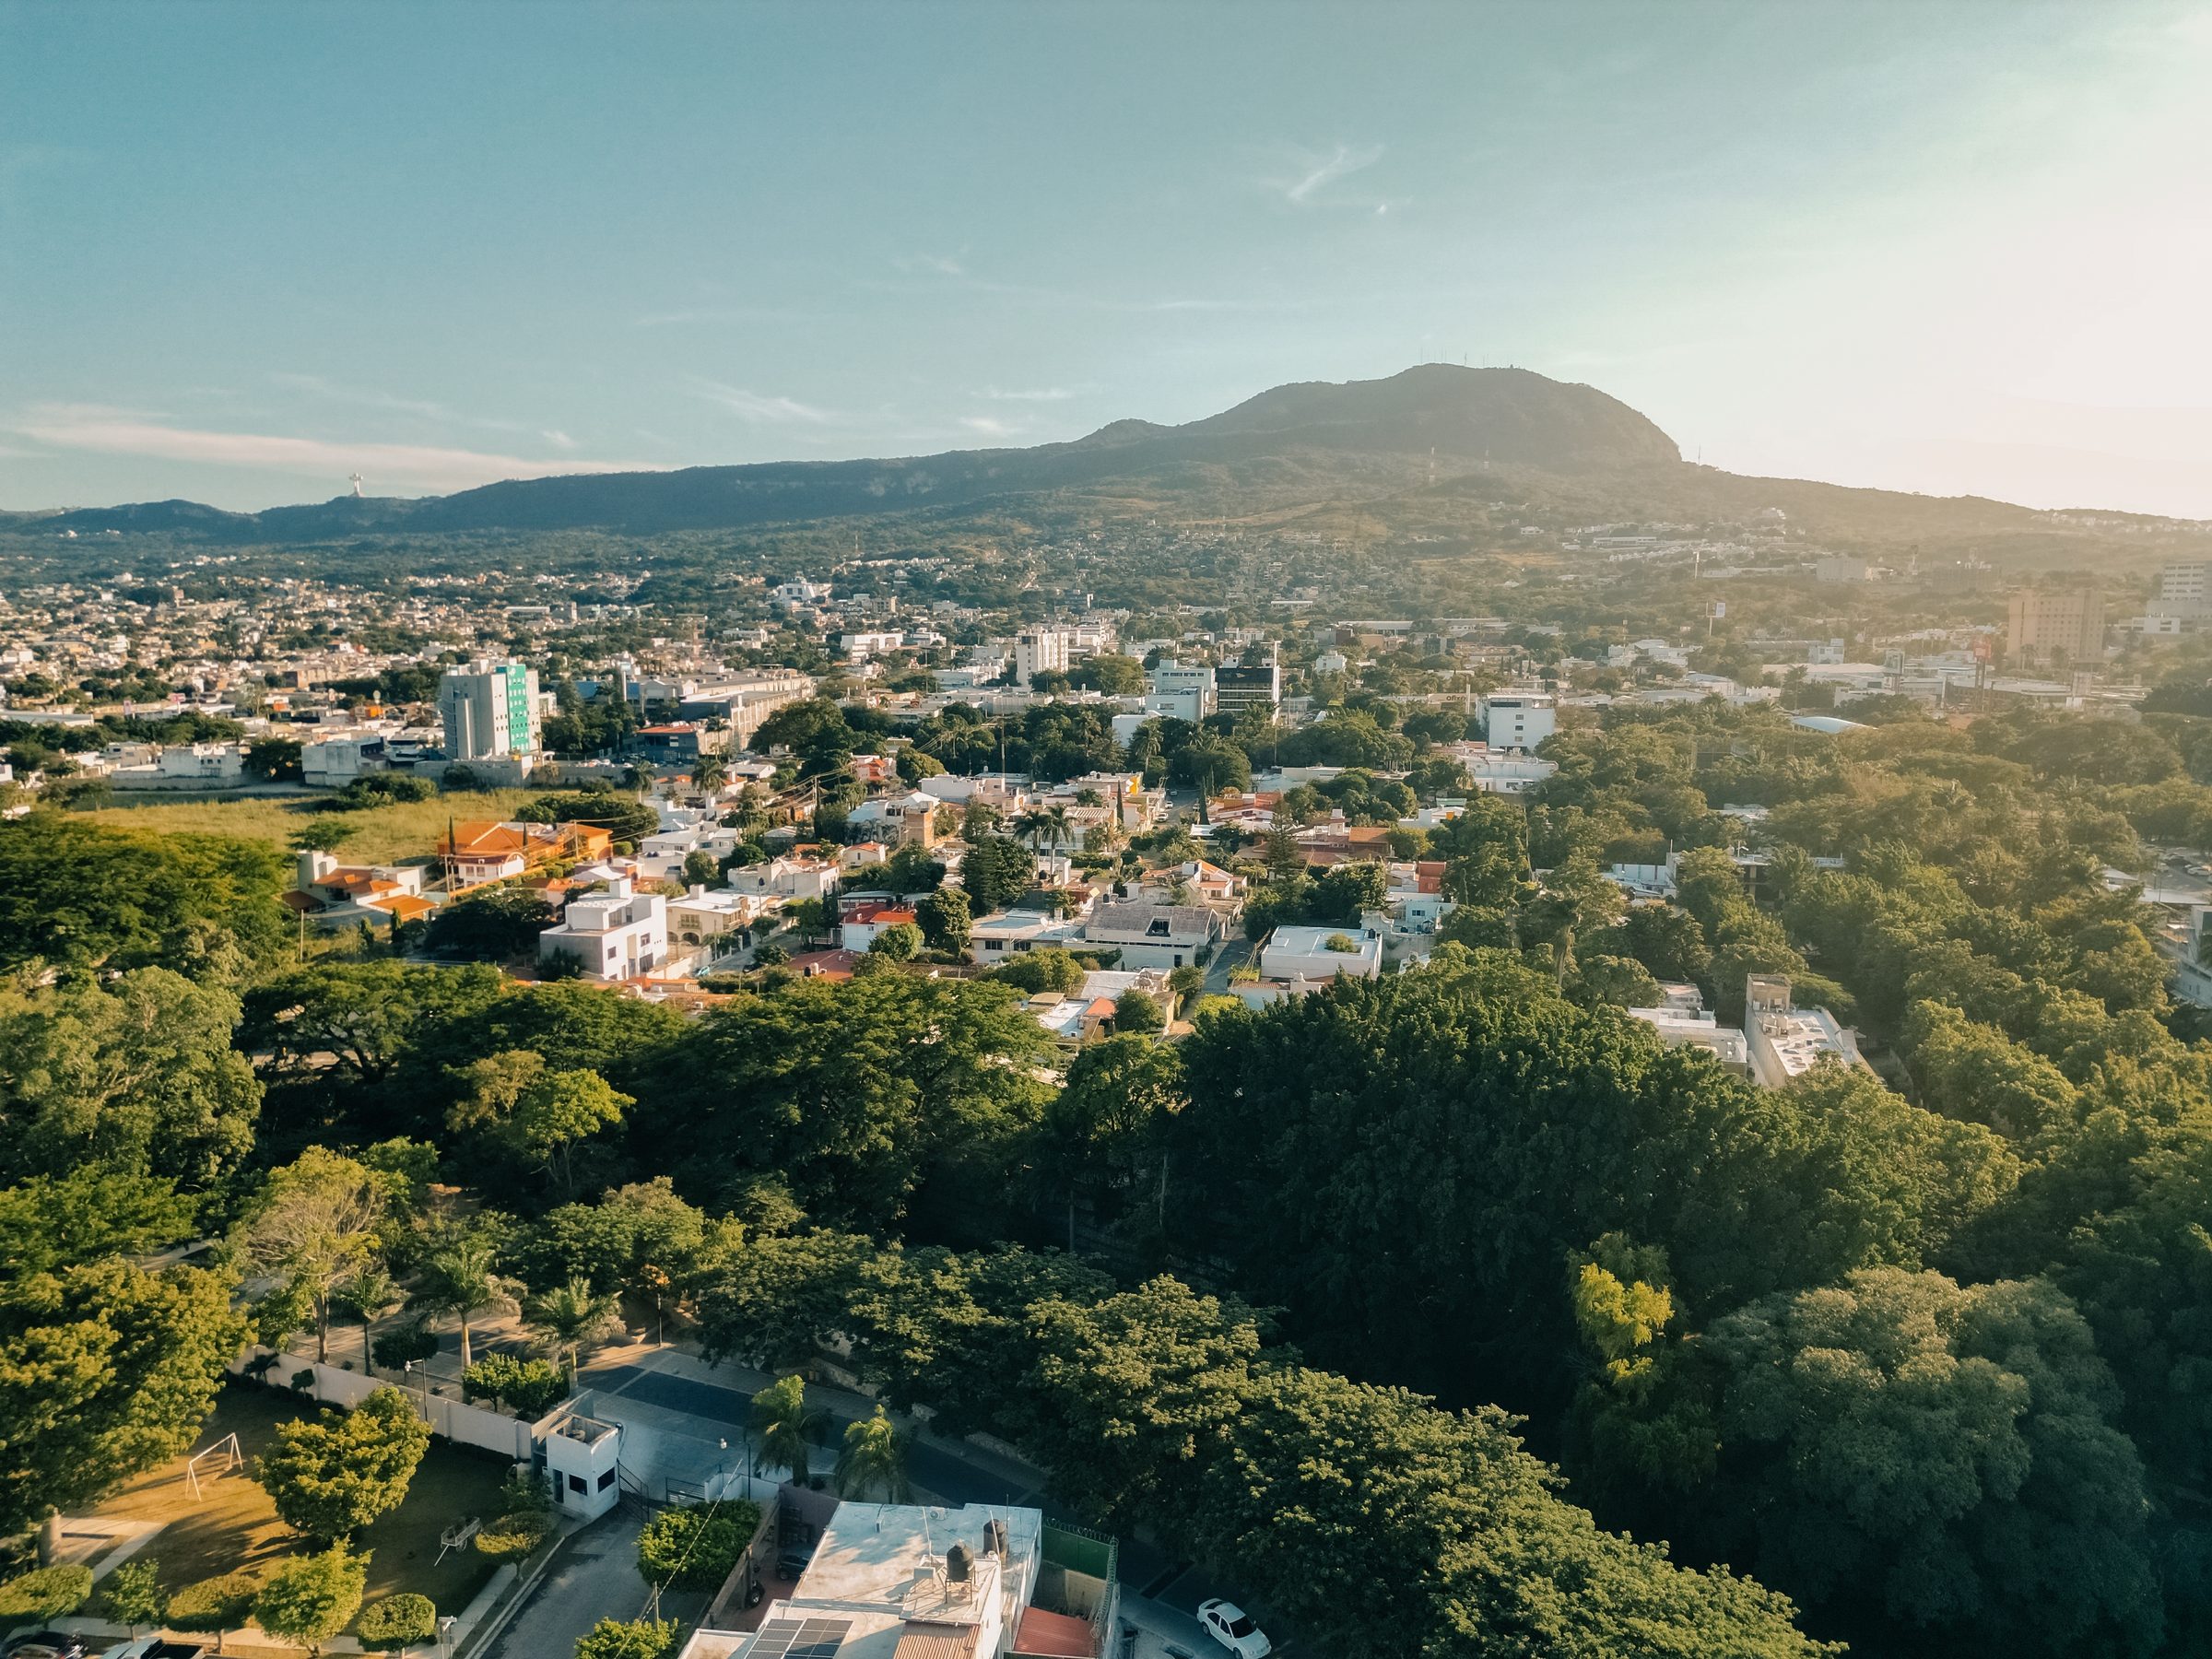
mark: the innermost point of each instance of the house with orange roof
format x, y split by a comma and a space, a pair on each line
863, 925
477, 853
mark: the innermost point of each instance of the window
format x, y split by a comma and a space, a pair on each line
1179, 959
606, 1481
994, 944
576, 1484
1158, 930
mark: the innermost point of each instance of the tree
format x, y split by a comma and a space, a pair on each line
410, 1345
324, 834
213, 1605
368, 1295
709, 773
492, 925
1942, 1453
1135, 1011
459, 1280
996, 871
314, 1225
572, 1315
701, 867
693, 1549
559, 1109
47, 1224
275, 760
74, 893
780, 1418
873, 1460
530, 1386
913, 765
944, 920
134, 1075
310, 1598
397, 1622
898, 943
331, 1478
633, 1638
134, 1595
105, 1371
1036, 970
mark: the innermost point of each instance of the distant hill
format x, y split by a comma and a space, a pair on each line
1314, 431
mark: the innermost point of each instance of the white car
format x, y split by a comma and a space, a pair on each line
1231, 1627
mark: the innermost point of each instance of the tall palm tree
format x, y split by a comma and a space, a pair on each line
785, 1425
460, 1281
875, 1456
1032, 826
709, 774
571, 1316
368, 1296
1055, 821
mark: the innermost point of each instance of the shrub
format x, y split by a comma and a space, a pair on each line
397, 1622
512, 1537
525, 1492
637, 1638
527, 1385
214, 1605
695, 1549
134, 1595
50, 1593
1341, 945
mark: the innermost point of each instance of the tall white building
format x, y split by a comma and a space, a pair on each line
2185, 590
488, 708
618, 935
1038, 649
1182, 693
1520, 720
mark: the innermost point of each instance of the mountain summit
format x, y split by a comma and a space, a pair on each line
1511, 417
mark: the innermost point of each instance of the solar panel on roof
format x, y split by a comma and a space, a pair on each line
799, 1639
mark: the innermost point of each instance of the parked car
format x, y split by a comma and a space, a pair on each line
154, 1647
1231, 1627
44, 1644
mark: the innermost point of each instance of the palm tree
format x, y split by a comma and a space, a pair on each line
460, 1281
571, 1316
1032, 826
874, 1455
1055, 821
785, 1425
368, 1296
709, 774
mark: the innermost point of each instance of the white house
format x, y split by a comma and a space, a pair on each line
618, 934
1154, 935
1305, 953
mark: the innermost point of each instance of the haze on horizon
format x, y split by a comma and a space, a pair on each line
246, 250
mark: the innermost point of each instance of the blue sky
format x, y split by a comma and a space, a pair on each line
248, 250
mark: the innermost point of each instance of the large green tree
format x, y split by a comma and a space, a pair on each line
331, 1478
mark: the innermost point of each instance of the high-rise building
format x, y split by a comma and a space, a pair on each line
2185, 590
2050, 620
1520, 720
1180, 692
1253, 681
1038, 649
488, 708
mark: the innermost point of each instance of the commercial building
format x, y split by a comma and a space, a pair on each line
488, 708
2050, 622
1520, 720
1180, 692
1038, 649
1254, 681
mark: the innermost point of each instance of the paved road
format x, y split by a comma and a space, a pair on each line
596, 1577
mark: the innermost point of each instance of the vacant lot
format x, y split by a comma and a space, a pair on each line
388, 833
234, 1525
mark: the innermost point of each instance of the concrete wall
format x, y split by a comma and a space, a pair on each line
468, 1425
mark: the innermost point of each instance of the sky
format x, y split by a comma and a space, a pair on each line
247, 251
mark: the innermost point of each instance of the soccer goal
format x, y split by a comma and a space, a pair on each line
225, 1449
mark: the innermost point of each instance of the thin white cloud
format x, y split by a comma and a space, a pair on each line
1050, 394
1346, 160
765, 411
392, 465
931, 262
984, 424
559, 440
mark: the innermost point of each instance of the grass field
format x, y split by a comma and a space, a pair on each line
389, 834
235, 1525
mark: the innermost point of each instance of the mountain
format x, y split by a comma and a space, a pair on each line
1467, 417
